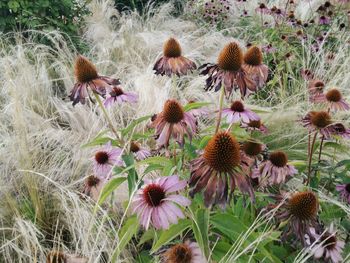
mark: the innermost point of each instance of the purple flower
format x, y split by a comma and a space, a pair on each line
269, 49
344, 191
334, 100
324, 20
93, 186
105, 158
262, 9
140, 152
155, 202
237, 112
255, 126
188, 252
117, 95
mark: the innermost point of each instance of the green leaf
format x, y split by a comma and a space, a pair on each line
200, 229
132, 175
109, 188
100, 139
160, 160
167, 235
204, 141
195, 105
133, 124
147, 236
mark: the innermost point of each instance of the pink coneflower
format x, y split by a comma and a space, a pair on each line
321, 121
217, 170
255, 126
307, 74
155, 201
228, 72
187, 252
301, 210
172, 61
237, 112
117, 95
327, 245
105, 158
93, 186
251, 153
253, 65
140, 152
344, 191
268, 49
275, 170
334, 100
262, 9
173, 122
315, 89
87, 77
324, 20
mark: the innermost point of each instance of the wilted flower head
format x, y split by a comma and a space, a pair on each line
334, 100
315, 89
344, 191
188, 252
87, 77
238, 112
228, 72
140, 152
105, 158
327, 245
255, 125
116, 94
174, 122
155, 202
172, 61
93, 186
275, 170
217, 170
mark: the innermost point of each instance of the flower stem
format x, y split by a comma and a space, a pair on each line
310, 158
98, 99
221, 103
320, 153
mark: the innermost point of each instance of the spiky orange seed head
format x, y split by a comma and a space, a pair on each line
253, 56
252, 148
84, 70
333, 95
172, 48
173, 111
303, 205
179, 253
278, 159
222, 152
230, 57
320, 119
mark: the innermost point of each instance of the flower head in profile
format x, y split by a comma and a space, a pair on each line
301, 210
116, 94
254, 66
255, 125
88, 78
187, 252
217, 170
315, 89
174, 122
333, 99
105, 158
275, 170
157, 203
238, 112
228, 72
321, 121
253, 149
172, 61
262, 9
326, 245
93, 186
344, 191
139, 152
324, 20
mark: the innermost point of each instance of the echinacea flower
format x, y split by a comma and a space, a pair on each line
334, 100
254, 67
105, 158
262, 9
315, 89
55, 256
155, 202
117, 95
301, 210
324, 20
187, 252
173, 122
217, 170
93, 186
172, 62
307, 74
252, 149
140, 152
327, 245
228, 72
87, 77
344, 191
255, 125
275, 170
237, 112
321, 121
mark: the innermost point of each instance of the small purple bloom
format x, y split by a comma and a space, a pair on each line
117, 95
140, 152
324, 20
344, 191
238, 112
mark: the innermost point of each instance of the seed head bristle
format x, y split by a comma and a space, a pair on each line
230, 57
84, 70
252, 148
172, 48
179, 253
153, 194
278, 159
320, 119
237, 106
222, 152
303, 205
134, 147
173, 111
333, 95
253, 56
92, 181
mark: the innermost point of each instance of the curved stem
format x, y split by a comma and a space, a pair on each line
98, 99
221, 102
310, 158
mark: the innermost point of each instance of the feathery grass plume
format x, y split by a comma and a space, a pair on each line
87, 77
174, 122
254, 67
333, 99
239, 113
187, 252
172, 62
217, 170
228, 72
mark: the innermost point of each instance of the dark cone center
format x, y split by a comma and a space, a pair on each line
153, 194
253, 56
231, 57
101, 157
84, 70
303, 205
173, 111
255, 124
179, 254
333, 95
329, 241
134, 147
116, 92
278, 159
237, 106
320, 119
172, 48
347, 188
252, 148
92, 181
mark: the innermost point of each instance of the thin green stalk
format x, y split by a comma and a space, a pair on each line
310, 159
221, 103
